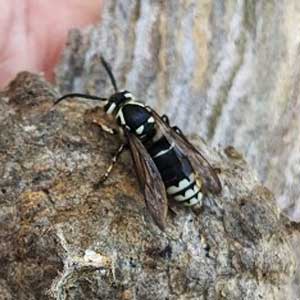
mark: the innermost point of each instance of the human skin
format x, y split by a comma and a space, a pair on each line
33, 32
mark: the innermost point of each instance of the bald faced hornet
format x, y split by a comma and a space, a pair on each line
166, 163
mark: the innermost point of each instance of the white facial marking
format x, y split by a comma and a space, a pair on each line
140, 130
162, 152
128, 95
111, 108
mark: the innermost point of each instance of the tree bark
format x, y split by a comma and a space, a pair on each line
227, 70
62, 238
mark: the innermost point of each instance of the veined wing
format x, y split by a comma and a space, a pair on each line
150, 181
198, 161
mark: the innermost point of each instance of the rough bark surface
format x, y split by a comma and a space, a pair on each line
62, 239
227, 70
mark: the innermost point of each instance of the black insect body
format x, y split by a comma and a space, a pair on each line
167, 164
176, 172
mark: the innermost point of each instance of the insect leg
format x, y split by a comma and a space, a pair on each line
178, 130
165, 119
110, 167
105, 128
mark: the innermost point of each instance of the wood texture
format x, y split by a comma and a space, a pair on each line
61, 238
226, 70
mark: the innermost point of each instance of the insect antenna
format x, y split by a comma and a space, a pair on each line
78, 95
109, 72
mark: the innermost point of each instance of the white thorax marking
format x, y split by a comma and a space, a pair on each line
120, 115
151, 120
133, 102
140, 129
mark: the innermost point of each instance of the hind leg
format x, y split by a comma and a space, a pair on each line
165, 118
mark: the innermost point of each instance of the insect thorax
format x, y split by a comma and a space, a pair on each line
174, 167
137, 119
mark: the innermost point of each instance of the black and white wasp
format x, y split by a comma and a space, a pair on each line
168, 166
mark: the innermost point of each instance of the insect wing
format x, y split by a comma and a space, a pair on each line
150, 181
199, 163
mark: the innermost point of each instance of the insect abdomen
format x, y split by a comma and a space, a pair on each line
177, 174
187, 191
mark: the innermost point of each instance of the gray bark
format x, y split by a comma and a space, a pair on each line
61, 238
226, 70
199, 62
